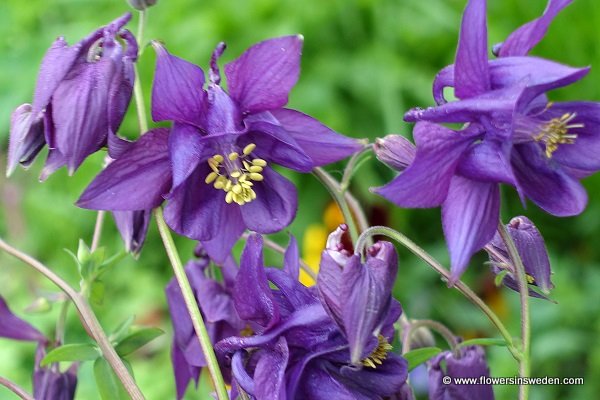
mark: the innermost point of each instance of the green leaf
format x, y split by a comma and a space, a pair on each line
419, 356
136, 340
109, 386
483, 342
500, 277
72, 352
97, 290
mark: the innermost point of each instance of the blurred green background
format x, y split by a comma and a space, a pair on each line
364, 63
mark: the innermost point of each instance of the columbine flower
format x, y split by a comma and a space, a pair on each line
513, 136
470, 364
298, 350
48, 382
532, 250
80, 99
222, 147
216, 305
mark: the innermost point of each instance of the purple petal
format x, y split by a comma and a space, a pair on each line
366, 293
56, 64
196, 209
321, 144
51, 384
261, 78
396, 151
252, 295
471, 73
187, 150
488, 161
385, 380
318, 384
275, 205
425, 182
12, 327
521, 41
583, 154
54, 161
470, 216
224, 116
329, 283
275, 144
231, 229
290, 289
269, 375
291, 261
136, 181
133, 227
182, 371
177, 90
544, 182
26, 138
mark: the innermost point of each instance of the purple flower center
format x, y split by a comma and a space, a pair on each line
234, 172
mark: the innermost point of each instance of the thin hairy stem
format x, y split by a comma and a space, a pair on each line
524, 364
16, 389
349, 170
97, 230
433, 263
91, 323
436, 326
191, 305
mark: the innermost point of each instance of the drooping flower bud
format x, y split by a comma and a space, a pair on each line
532, 250
141, 5
395, 151
446, 367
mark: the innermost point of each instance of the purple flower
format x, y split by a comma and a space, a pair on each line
513, 135
51, 384
216, 304
80, 99
298, 350
396, 151
532, 250
217, 158
470, 364
48, 382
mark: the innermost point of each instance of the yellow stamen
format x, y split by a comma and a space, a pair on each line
218, 158
233, 156
556, 132
229, 197
379, 354
259, 161
249, 149
236, 174
255, 168
255, 176
530, 279
211, 177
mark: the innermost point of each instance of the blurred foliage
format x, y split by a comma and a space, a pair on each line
364, 63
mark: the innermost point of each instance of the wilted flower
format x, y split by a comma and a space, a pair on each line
298, 350
216, 305
470, 363
512, 135
532, 250
221, 148
80, 99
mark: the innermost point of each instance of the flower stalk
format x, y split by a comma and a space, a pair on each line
524, 362
16, 389
440, 328
192, 306
89, 319
433, 263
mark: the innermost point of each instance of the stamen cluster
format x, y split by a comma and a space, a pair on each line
556, 132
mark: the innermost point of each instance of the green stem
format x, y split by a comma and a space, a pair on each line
334, 189
137, 85
61, 322
349, 170
90, 322
459, 285
16, 389
433, 325
97, 230
524, 364
192, 306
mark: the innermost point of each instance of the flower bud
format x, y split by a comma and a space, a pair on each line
395, 151
141, 5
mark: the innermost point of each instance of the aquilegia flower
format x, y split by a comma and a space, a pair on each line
216, 305
216, 163
300, 350
80, 100
513, 135
532, 250
48, 382
470, 364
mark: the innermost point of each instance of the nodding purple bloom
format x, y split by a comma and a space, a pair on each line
222, 147
298, 349
469, 363
513, 135
216, 305
532, 250
48, 382
80, 100
395, 151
